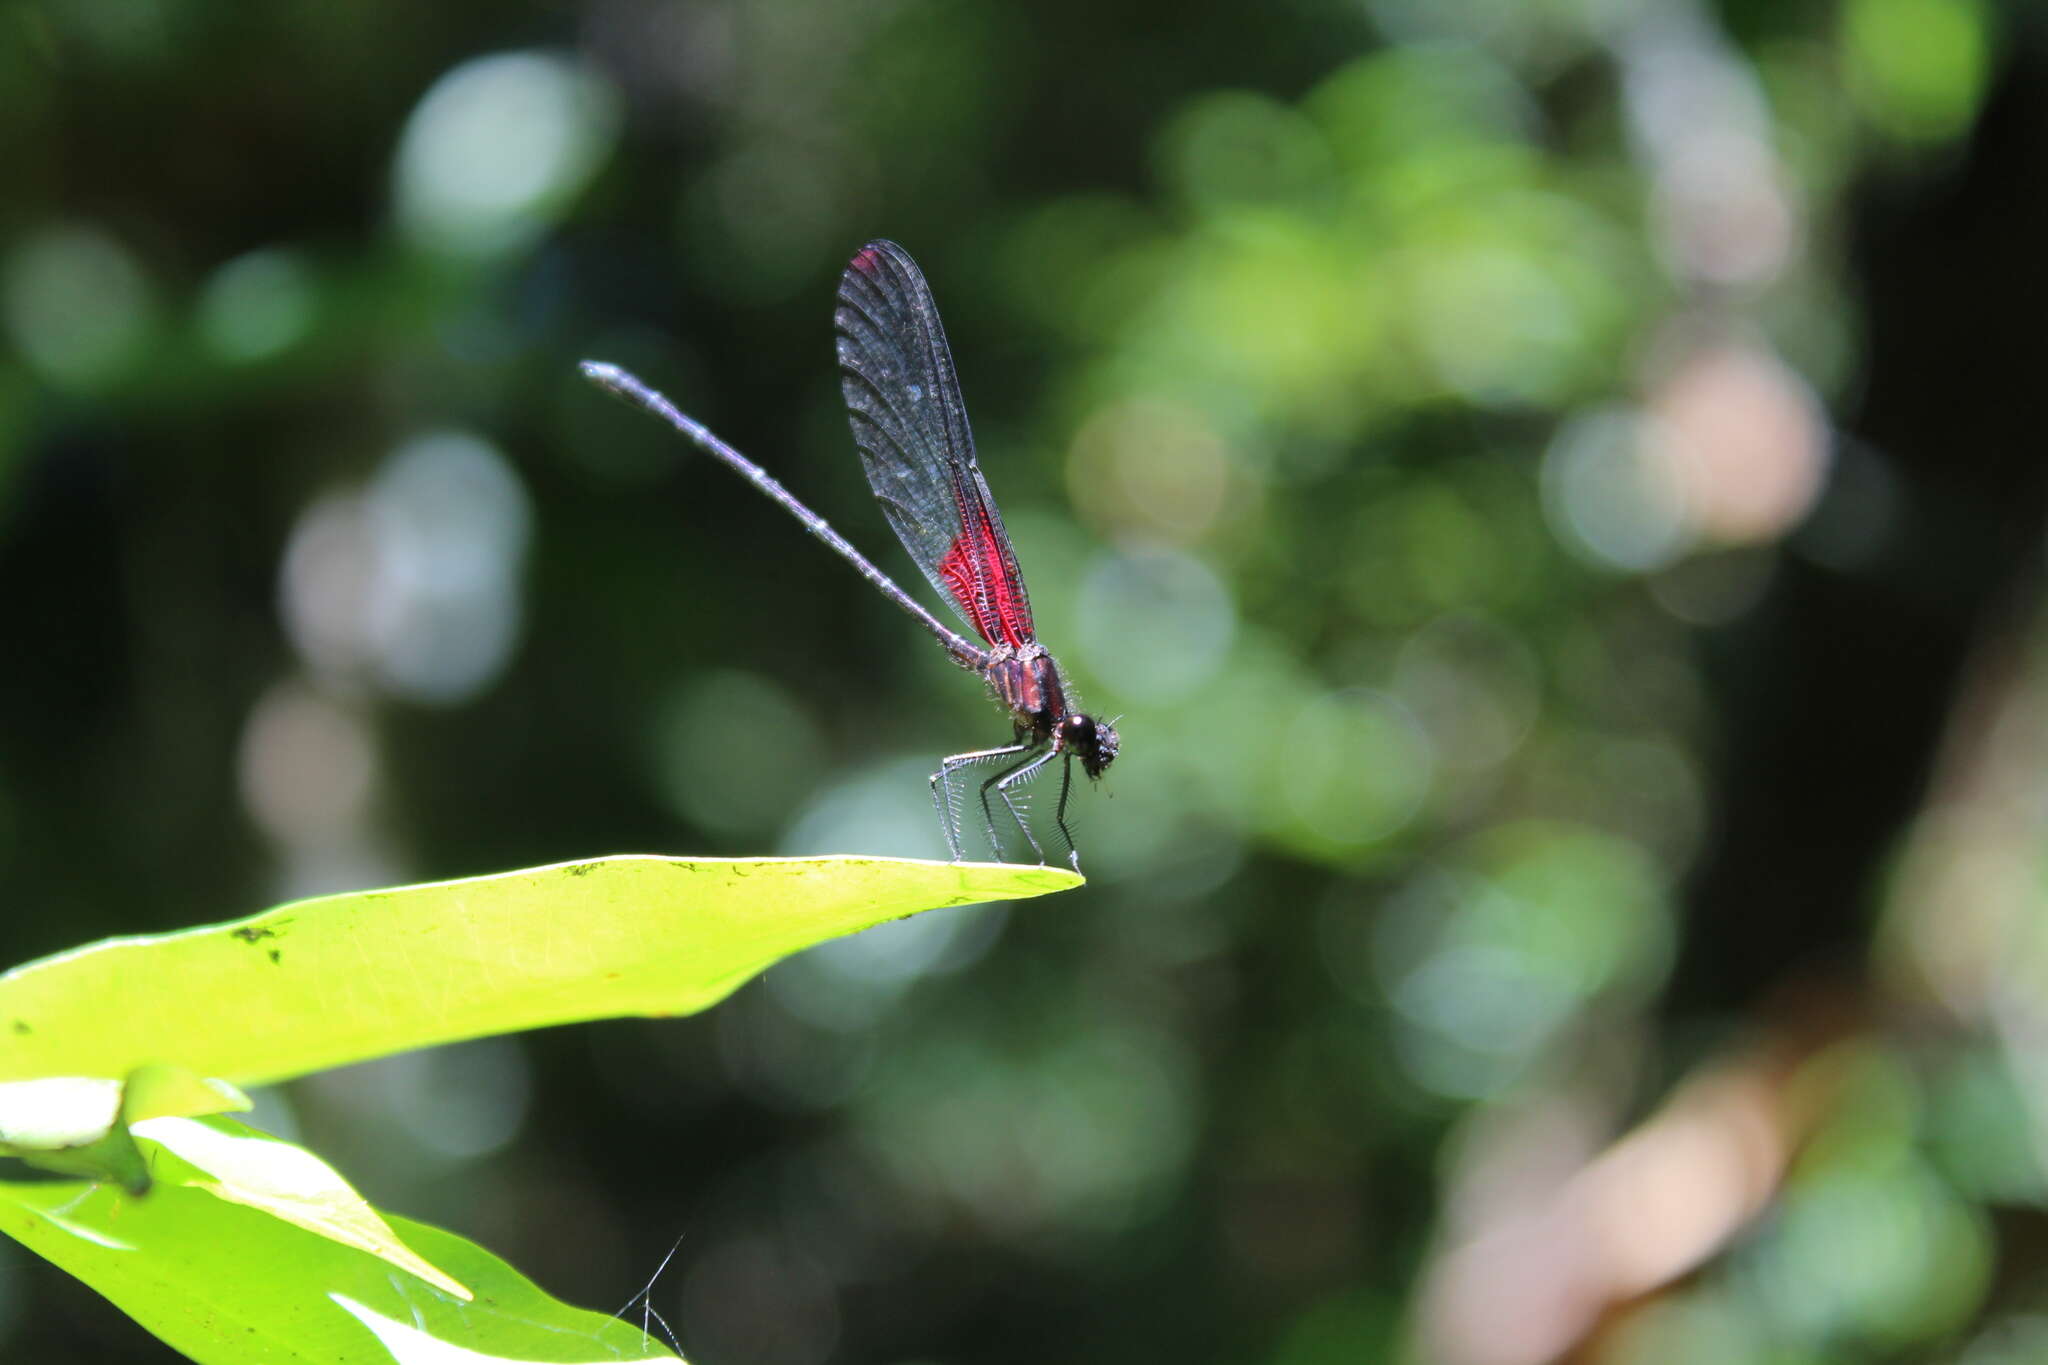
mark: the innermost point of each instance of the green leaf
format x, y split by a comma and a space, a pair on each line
78, 1125
204, 1262
289, 1183
172, 1092
320, 983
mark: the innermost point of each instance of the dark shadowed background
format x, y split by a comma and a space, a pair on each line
1554, 492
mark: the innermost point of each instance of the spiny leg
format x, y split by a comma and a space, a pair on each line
948, 806
988, 815
949, 816
1016, 775
1059, 815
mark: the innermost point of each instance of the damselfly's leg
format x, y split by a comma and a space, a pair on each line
997, 780
1015, 775
988, 814
949, 807
1059, 815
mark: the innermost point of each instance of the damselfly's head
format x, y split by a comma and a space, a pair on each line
1090, 740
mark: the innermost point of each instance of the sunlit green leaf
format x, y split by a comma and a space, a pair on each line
211, 1270
289, 1183
338, 979
78, 1125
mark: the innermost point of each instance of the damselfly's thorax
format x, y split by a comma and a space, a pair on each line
1026, 679
1027, 682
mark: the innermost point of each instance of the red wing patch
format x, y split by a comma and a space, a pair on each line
973, 571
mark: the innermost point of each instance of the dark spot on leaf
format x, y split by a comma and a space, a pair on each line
21, 1027
276, 955
582, 869
250, 933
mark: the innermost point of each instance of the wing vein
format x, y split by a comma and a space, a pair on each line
910, 424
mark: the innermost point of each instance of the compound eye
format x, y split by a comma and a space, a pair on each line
1090, 740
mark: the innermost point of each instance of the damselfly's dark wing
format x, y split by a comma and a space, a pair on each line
911, 427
